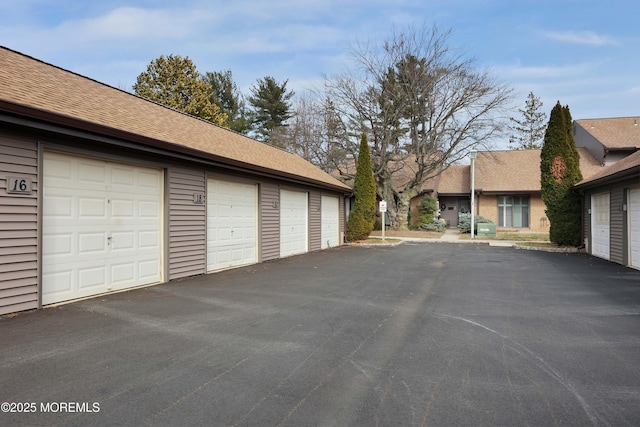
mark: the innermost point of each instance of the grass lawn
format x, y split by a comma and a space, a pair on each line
378, 240
513, 236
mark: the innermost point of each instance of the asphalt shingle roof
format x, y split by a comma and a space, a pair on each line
621, 132
620, 167
503, 171
28, 82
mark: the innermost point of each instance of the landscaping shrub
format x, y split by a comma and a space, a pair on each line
464, 222
359, 228
363, 216
434, 225
427, 207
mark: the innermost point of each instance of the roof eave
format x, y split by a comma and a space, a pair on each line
64, 121
608, 179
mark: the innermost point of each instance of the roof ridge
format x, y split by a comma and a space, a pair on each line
608, 118
37, 85
126, 92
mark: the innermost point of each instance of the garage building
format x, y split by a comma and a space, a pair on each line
102, 191
611, 212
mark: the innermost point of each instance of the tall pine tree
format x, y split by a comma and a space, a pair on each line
559, 171
528, 130
272, 108
363, 216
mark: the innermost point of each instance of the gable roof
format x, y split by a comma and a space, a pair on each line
614, 133
32, 88
508, 171
621, 169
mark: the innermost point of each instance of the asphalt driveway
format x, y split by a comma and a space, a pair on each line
417, 334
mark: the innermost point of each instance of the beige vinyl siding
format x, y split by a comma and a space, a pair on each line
187, 222
315, 221
617, 224
18, 226
269, 221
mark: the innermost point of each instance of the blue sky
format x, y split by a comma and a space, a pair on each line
580, 52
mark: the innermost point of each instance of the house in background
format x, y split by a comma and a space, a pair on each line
102, 191
507, 189
452, 189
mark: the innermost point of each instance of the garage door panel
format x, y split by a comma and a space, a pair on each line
59, 283
232, 219
122, 273
124, 179
57, 244
149, 210
123, 241
294, 216
600, 226
148, 269
330, 223
148, 239
89, 207
59, 171
92, 242
90, 173
94, 236
90, 278
59, 206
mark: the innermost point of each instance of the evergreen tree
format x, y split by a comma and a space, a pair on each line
271, 108
529, 130
559, 171
226, 95
174, 82
363, 216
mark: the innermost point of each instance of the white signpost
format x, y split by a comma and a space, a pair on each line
383, 209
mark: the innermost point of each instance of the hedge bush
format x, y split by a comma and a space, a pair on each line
427, 207
464, 222
434, 225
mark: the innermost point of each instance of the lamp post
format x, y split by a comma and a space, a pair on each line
472, 156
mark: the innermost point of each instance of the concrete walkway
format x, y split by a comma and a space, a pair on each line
451, 235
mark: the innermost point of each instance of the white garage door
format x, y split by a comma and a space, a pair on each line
634, 227
330, 232
600, 225
293, 223
232, 223
101, 228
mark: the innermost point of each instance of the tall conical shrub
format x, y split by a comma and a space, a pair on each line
362, 217
559, 171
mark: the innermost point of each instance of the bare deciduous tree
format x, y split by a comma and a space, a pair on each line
422, 106
316, 133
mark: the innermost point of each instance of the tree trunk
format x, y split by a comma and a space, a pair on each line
398, 206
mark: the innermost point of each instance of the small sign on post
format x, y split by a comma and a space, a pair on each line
383, 209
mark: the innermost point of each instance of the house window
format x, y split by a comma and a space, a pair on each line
513, 211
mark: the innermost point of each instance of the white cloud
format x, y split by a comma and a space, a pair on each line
580, 37
518, 72
129, 23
